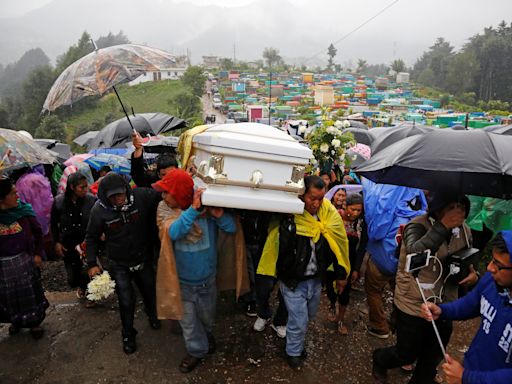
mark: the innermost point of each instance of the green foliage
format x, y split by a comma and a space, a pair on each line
51, 127
111, 40
444, 100
194, 79
398, 65
186, 105
362, 65
481, 67
468, 98
226, 64
331, 52
272, 57
25, 107
13, 75
328, 143
75, 52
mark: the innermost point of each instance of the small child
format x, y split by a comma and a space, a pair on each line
355, 227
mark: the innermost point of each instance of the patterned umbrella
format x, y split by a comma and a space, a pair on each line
118, 164
99, 71
77, 158
17, 150
358, 154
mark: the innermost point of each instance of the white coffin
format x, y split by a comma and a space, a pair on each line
250, 166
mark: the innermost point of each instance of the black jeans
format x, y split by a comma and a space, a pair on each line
416, 341
145, 281
264, 287
75, 269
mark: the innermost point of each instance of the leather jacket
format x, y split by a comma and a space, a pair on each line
295, 254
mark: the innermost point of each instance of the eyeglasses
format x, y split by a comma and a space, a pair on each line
499, 266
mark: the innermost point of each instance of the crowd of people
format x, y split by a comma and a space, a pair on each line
159, 237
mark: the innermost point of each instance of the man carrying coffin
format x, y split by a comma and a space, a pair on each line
300, 248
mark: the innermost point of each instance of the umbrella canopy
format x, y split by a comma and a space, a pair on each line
84, 139
358, 154
160, 144
362, 136
77, 158
474, 162
97, 72
357, 124
118, 164
17, 150
500, 129
62, 150
118, 133
399, 132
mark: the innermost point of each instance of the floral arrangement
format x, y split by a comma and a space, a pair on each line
329, 142
100, 287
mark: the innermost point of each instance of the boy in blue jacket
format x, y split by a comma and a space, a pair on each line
489, 358
194, 237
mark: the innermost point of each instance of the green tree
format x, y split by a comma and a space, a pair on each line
14, 74
111, 39
331, 52
194, 79
51, 127
75, 52
226, 64
362, 65
272, 57
398, 65
25, 107
186, 106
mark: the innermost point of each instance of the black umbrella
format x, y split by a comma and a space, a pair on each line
362, 136
62, 150
474, 162
393, 134
85, 139
500, 129
357, 124
118, 133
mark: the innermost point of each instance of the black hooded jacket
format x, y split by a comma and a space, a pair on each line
128, 230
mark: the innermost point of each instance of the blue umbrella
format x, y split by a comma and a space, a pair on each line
118, 164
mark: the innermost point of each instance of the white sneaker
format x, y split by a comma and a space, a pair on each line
260, 324
280, 330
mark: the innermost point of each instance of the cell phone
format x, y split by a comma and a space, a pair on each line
415, 261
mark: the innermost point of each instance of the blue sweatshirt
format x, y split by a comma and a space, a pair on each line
488, 360
197, 262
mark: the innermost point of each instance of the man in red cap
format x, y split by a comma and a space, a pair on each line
194, 236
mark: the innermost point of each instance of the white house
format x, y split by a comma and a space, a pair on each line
171, 73
211, 62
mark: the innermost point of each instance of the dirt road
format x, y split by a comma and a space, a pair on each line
84, 346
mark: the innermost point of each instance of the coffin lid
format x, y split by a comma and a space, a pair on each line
253, 137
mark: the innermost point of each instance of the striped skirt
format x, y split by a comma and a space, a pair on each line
22, 300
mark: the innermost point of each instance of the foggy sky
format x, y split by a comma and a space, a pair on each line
242, 28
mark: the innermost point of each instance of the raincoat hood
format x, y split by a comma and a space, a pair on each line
111, 184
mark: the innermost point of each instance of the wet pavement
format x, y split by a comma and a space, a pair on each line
84, 346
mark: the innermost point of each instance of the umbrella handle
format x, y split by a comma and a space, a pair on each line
124, 109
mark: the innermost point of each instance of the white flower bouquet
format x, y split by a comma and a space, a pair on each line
100, 287
328, 143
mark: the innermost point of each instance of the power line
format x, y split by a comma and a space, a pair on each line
357, 28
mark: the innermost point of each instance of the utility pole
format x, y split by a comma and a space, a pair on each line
269, 94
234, 53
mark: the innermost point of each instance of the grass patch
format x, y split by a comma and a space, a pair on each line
145, 97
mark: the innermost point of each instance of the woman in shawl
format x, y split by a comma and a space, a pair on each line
22, 300
70, 215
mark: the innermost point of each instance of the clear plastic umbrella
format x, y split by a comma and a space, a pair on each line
17, 150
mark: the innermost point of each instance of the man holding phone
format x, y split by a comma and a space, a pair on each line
443, 232
489, 358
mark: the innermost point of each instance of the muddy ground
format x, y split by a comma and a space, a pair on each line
84, 346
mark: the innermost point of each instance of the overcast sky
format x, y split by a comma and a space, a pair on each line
296, 27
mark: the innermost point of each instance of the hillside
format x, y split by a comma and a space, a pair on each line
146, 97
